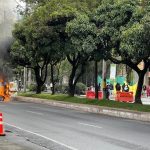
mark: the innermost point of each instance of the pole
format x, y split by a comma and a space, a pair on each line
29, 77
25, 77
96, 86
103, 77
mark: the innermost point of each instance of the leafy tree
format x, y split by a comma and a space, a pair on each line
124, 33
57, 15
82, 34
35, 47
57, 19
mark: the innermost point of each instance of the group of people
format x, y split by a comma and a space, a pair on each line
125, 87
109, 88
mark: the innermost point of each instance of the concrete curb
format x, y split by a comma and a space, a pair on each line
142, 116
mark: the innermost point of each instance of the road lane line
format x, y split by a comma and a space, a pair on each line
90, 125
33, 112
57, 142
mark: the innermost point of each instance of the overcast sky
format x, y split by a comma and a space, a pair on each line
20, 3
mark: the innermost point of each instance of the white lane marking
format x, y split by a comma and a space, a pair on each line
57, 142
90, 125
33, 112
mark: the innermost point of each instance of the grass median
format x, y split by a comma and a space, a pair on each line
106, 103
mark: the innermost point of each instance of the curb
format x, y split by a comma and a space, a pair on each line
129, 114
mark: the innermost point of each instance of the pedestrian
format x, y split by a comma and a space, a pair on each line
111, 88
126, 88
123, 87
107, 91
99, 87
92, 88
19, 85
51, 86
118, 87
144, 90
148, 90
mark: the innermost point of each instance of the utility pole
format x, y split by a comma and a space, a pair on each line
103, 76
29, 76
25, 79
96, 76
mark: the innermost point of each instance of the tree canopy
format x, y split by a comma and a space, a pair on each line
116, 30
124, 34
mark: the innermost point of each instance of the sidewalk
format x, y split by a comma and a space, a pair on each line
5, 144
16, 139
123, 113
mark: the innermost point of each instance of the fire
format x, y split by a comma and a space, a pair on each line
4, 89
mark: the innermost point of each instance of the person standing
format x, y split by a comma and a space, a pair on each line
126, 88
118, 87
107, 91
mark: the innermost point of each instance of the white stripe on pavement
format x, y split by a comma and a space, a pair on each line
57, 142
33, 112
90, 125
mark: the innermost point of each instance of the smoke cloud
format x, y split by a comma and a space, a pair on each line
8, 16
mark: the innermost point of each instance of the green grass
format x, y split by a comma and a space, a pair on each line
107, 103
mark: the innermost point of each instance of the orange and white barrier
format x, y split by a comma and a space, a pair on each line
91, 95
124, 97
2, 133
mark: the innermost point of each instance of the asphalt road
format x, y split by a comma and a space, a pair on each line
56, 128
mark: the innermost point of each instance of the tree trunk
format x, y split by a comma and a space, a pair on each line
141, 75
71, 90
75, 64
96, 86
38, 80
52, 79
38, 89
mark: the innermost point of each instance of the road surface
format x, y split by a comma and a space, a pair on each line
57, 128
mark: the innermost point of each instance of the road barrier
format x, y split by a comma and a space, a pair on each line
91, 95
1, 125
124, 96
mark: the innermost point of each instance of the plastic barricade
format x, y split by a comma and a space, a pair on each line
100, 95
124, 96
91, 95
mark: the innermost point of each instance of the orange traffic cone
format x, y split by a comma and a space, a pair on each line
1, 125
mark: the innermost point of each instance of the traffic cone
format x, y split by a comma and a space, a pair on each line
1, 125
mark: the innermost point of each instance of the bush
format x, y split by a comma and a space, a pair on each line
80, 88
32, 87
61, 88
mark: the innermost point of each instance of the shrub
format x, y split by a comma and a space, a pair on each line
80, 88
32, 87
61, 88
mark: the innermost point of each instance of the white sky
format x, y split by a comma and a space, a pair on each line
21, 3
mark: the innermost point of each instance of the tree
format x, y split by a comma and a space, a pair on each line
34, 47
136, 40
57, 16
124, 33
82, 34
